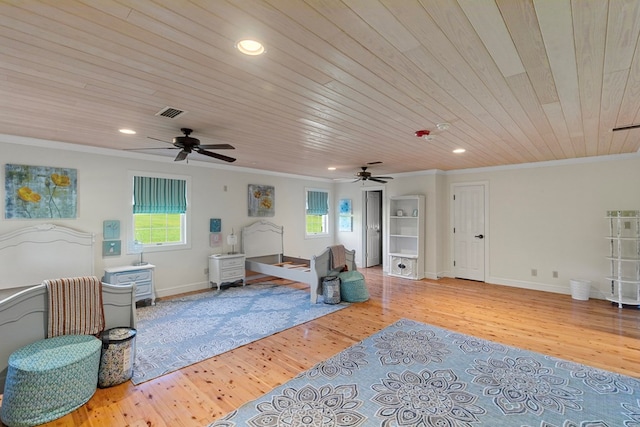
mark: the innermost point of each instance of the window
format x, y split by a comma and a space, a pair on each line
317, 213
160, 215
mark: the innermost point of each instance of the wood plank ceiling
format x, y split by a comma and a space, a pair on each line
343, 82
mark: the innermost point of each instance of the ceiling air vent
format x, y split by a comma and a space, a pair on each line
170, 112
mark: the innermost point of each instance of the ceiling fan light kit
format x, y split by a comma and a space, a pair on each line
188, 144
365, 175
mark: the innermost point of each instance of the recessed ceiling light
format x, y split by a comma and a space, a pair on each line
128, 131
459, 150
331, 168
250, 47
443, 126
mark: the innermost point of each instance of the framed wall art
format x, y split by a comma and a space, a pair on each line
215, 225
262, 200
40, 192
345, 215
111, 248
215, 240
111, 229
345, 206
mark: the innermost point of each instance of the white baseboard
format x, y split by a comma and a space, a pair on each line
190, 287
535, 286
528, 285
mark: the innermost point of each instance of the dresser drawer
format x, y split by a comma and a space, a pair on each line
234, 274
142, 276
226, 268
126, 278
232, 262
143, 289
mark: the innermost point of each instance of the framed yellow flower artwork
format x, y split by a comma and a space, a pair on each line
262, 200
40, 192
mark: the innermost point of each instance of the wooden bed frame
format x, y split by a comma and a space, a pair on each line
262, 243
33, 254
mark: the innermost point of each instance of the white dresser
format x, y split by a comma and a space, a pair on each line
226, 268
141, 275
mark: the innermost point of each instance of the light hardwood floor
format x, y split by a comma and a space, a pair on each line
591, 332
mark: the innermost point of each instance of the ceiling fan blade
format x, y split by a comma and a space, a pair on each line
217, 146
626, 127
161, 140
215, 155
152, 148
181, 156
377, 180
382, 177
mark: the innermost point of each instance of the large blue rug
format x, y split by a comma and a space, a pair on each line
179, 332
413, 374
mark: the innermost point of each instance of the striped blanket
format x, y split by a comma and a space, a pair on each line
75, 306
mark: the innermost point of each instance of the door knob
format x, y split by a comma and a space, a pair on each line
479, 236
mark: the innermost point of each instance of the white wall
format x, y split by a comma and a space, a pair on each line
547, 216
104, 192
551, 217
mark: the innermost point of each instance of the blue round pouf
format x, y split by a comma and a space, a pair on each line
50, 378
352, 286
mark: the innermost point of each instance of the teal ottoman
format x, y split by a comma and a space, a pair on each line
49, 379
353, 287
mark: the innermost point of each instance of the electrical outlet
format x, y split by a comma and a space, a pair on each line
206, 271
534, 272
555, 274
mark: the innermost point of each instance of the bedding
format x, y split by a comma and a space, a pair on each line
262, 244
32, 255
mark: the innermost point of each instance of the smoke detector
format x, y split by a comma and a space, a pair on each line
426, 134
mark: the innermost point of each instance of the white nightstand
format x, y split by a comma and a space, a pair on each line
141, 275
226, 268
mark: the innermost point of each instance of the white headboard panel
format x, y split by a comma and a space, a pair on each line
46, 251
262, 238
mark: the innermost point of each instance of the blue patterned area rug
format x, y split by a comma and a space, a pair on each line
412, 374
179, 332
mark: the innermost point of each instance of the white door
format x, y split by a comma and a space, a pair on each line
374, 235
469, 233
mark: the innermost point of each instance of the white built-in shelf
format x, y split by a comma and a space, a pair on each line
624, 257
405, 235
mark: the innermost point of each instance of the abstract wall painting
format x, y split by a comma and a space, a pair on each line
262, 200
345, 218
40, 192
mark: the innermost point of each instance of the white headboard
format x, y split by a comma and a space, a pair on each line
262, 238
45, 251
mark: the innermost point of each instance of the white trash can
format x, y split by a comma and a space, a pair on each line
580, 289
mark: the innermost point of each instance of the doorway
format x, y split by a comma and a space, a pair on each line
470, 236
372, 235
